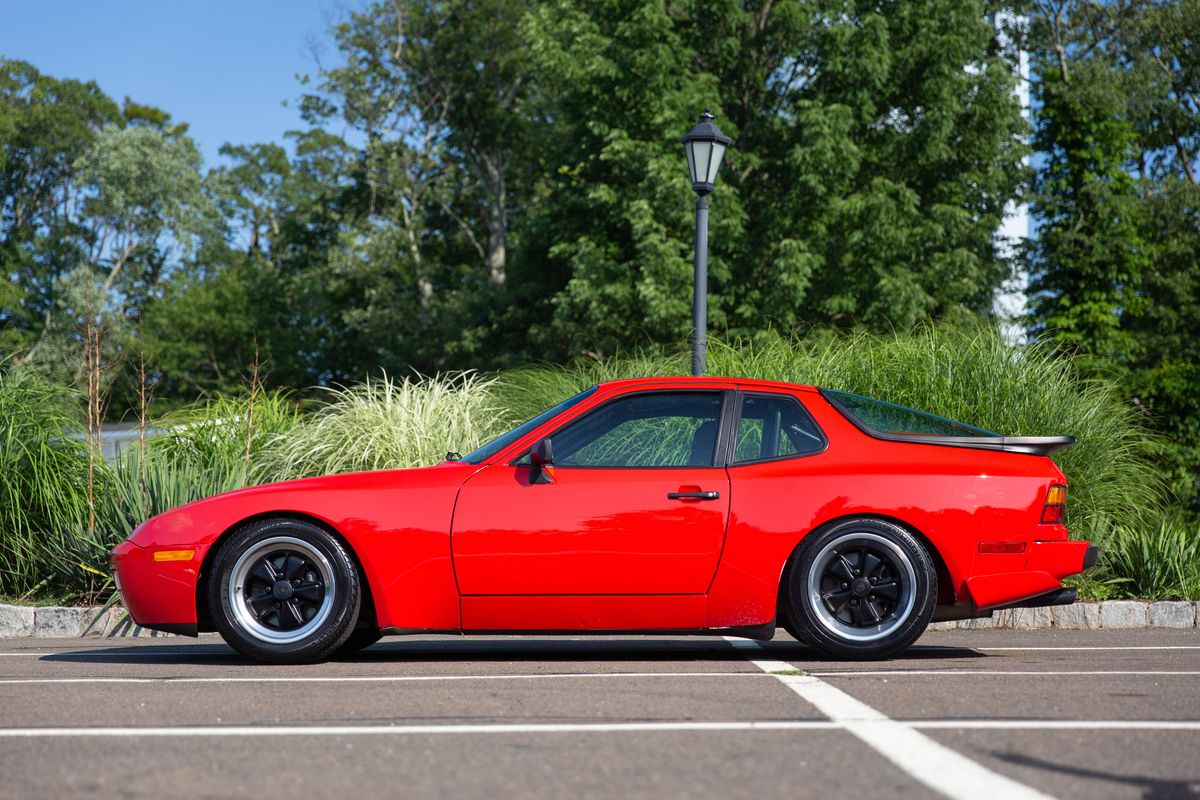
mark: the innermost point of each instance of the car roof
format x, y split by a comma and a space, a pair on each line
701, 381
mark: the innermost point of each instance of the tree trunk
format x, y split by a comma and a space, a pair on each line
496, 214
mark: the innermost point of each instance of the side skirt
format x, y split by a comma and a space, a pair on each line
762, 633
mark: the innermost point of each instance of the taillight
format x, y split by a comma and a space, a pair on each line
1056, 505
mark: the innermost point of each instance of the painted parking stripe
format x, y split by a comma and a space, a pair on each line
422, 730
992, 783
994, 672
1087, 647
940, 768
1056, 724
352, 679
387, 678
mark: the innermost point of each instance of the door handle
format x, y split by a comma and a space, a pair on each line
693, 495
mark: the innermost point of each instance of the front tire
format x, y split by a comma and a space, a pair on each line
284, 591
860, 589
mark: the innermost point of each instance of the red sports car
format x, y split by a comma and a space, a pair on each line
680, 505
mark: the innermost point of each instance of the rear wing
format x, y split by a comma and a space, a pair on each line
1031, 445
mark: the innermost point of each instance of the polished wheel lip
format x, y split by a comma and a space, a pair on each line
900, 562
245, 617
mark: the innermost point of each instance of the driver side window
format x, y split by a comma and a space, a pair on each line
661, 429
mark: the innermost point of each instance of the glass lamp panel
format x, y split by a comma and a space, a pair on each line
701, 153
687, 147
718, 152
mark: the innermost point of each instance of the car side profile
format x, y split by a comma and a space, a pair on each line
682, 505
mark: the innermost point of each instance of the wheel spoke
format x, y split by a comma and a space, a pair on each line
263, 572
289, 615
876, 616
836, 601
294, 567
841, 568
871, 564
889, 590
309, 592
260, 603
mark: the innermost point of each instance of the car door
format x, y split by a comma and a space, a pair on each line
634, 504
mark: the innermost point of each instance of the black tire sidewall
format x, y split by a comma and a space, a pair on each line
803, 621
323, 641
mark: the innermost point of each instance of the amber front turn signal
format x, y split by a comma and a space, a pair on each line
174, 555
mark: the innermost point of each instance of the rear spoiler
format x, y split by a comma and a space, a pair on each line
1032, 445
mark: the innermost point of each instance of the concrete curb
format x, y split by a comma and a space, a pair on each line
52, 622
1106, 614
37, 622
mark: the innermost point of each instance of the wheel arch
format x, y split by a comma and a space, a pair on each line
203, 618
945, 587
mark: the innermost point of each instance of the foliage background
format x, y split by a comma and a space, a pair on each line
490, 184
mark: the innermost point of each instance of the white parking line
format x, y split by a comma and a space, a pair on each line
986, 672
1056, 724
387, 678
767, 671
940, 768
990, 782
408, 730
1089, 647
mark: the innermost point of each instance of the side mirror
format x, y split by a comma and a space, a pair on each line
542, 454
540, 457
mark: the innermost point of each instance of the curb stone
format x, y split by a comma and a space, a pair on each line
1172, 615
1124, 614
43, 622
17, 622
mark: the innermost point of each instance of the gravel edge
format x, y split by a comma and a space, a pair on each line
41, 622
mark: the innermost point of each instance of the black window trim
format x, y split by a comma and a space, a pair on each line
720, 451
737, 421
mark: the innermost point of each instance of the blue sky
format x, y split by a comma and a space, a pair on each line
223, 66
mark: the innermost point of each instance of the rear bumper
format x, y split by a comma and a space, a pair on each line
1040, 583
157, 594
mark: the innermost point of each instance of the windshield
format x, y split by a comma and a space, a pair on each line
498, 444
890, 419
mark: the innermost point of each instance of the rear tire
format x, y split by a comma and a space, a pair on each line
860, 589
284, 591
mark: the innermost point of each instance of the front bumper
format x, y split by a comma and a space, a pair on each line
1041, 579
157, 594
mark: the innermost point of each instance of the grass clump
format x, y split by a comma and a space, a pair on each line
965, 373
384, 423
1159, 560
43, 487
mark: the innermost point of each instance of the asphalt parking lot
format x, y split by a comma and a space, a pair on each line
1089, 714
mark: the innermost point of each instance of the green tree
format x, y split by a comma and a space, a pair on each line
46, 126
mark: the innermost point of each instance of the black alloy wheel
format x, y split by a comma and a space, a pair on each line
284, 591
861, 589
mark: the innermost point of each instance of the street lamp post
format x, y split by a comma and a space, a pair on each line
705, 146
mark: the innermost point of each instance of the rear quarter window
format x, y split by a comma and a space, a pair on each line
890, 419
